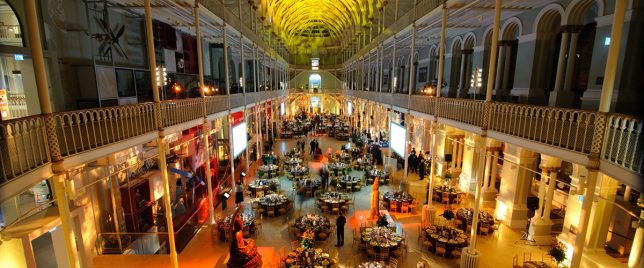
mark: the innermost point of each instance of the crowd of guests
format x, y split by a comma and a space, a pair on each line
418, 163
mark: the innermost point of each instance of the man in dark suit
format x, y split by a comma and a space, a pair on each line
339, 223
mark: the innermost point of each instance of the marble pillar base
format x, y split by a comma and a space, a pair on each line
470, 259
512, 216
541, 232
563, 99
489, 197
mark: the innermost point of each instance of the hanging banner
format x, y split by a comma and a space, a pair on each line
237, 117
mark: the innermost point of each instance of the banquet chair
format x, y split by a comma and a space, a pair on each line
459, 198
356, 239
383, 254
349, 187
371, 252
441, 250
336, 208
484, 229
393, 206
283, 209
325, 209
344, 209
393, 263
456, 253
458, 223
445, 198
352, 203
414, 205
404, 208
271, 212
428, 245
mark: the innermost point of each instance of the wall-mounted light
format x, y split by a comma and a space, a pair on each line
607, 41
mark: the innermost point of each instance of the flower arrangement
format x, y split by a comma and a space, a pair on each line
382, 221
308, 239
558, 251
448, 214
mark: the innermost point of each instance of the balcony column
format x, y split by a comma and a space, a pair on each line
541, 225
635, 258
584, 217
486, 172
380, 64
511, 202
412, 62
162, 145
393, 69
601, 215
205, 126
493, 174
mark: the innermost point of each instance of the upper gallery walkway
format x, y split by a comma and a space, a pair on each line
571, 134
26, 149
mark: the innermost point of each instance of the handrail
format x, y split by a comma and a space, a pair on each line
24, 145
622, 136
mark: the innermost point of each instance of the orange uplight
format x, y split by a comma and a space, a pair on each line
176, 88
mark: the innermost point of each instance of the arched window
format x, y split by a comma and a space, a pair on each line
10, 30
315, 82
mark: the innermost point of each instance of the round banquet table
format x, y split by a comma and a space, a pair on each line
308, 185
331, 200
313, 222
397, 198
347, 181
313, 258
452, 237
465, 215
225, 225
262, 186
383, 176
273, 202
270, 169
337, 167
299, 171
293, 161
381, 238
362, 163
450, 191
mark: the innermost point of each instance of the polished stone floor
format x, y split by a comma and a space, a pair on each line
206, 250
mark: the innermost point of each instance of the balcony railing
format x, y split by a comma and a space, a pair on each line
569, 129
24, 145
79, 131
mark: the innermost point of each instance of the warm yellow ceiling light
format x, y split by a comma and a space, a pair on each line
308, 24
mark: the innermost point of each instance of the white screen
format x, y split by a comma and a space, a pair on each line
282, 108
397, 138
350, 108
240, 139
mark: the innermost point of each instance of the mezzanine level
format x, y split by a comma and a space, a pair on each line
573, 135
26, 150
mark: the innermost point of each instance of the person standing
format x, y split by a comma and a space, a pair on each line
339, 223
239, 194
412, 161
421, 167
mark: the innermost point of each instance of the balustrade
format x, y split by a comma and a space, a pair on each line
23, 146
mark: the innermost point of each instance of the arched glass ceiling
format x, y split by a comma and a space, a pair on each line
305, 25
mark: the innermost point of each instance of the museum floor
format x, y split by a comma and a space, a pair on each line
206, 250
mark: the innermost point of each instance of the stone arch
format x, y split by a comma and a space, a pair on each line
578, 9
548, 17
469, 41
512, 28
457, 44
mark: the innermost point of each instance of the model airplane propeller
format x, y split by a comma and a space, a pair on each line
109, 39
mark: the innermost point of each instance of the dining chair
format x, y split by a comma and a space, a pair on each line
393, 206
459, 198
404, 208
445, 198
271, 211
441, 249
456, 253
371, 252
323, 236
393, 263
484, 229
383, 254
